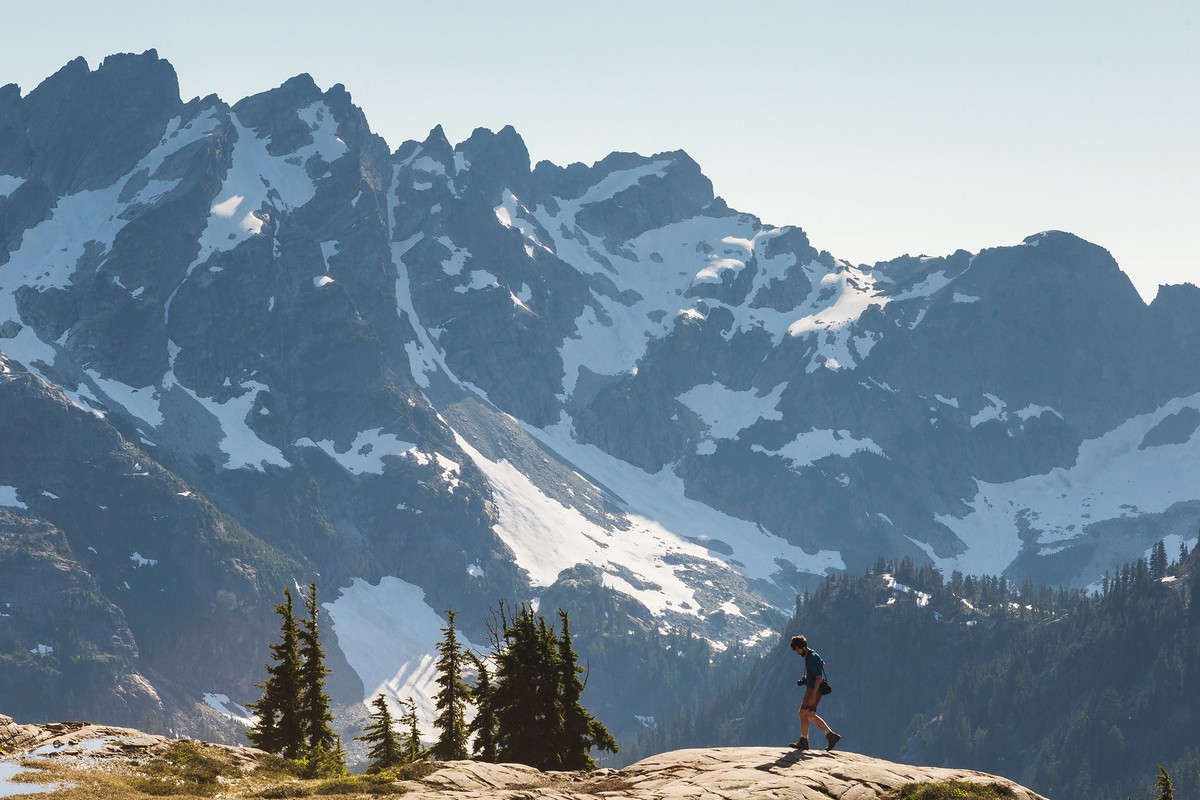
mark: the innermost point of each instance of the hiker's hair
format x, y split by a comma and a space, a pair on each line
799, 641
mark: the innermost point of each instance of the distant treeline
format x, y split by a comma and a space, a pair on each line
1078, 695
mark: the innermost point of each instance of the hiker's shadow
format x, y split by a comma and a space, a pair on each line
790, 758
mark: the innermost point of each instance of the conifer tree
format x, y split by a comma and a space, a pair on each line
526, 698
315, 718
1158, 560
1163, 784
380, 735
411, 749
484, 725
279, 728
535, 698
451, 698
581, 731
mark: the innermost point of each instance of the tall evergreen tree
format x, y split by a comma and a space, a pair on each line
451, 698
526, 698
1158, 560
380, 735
279, 728
484, 725
535, 698
315, 717
411, 749
581, 731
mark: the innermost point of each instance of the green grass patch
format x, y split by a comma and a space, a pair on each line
163, 787
358, 784
954, 790
284, 790
186, 768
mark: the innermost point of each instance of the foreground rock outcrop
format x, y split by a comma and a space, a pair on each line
746, 773
76, 741
729, 773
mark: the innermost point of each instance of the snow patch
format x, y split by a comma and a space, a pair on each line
328, 251
1111, 478
663, 526
480, 279
258, 183
458, 256
9, 184
229, 709
8, 498
809, 447
726, 412
365, 453
140, 403
389, 636
227, 208
140, 561
238, 442
994, 409
508, 213
449, 468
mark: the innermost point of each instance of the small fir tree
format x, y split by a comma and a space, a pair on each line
315, 717
324, 756
451, 698
380, 735
279, 728
411, 749
483, 727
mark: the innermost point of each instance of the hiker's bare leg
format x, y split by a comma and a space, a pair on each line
820, 723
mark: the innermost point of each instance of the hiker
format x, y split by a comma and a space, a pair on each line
814, 676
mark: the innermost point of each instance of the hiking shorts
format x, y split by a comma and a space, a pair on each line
812, 696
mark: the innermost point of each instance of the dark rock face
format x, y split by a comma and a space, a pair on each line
86, 129
251, 344
54, 669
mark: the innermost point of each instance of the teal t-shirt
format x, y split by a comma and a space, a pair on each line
814, 665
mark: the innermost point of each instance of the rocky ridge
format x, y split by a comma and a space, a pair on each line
744, 773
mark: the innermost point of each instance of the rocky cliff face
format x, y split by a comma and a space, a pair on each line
249, 344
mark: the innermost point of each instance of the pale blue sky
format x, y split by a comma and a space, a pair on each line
881, 128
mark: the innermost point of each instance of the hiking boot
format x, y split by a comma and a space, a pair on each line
802, 744
832, 738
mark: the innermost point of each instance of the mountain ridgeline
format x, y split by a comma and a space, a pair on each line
245, 346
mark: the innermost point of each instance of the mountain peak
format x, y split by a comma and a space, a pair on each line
86, 129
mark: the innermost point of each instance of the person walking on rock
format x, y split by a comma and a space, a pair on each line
814, 676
